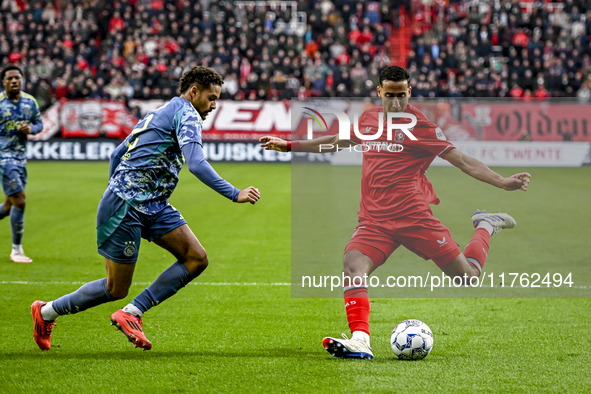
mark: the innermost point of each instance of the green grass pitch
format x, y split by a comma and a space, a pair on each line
237, 328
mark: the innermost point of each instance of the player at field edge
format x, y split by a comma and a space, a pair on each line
394, 206
19, 116
143, 174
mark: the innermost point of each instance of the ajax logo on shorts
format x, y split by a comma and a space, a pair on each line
129, 248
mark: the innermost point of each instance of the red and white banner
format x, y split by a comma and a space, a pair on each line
520, 121
247, 121
541, 121
231, 121
93, 118
239, 120
51, 124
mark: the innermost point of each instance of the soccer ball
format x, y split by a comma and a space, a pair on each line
412, 340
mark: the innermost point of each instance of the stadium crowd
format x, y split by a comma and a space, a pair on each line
140, 48
503, 48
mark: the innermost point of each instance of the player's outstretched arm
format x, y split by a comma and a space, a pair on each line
329, 143
478, 170
199, 167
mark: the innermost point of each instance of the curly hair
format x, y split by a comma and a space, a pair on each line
202, 77
9, 68
395, 74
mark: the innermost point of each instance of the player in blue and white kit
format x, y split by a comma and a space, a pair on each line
19, 116
143, 174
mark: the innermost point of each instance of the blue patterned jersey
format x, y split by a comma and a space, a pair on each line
13, 115
148, 171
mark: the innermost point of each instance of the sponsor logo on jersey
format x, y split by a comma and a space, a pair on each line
439, 134
381, 147
14, 124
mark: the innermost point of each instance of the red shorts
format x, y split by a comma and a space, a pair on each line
422, 234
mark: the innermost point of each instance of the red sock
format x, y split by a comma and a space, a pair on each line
357, 307
478, 246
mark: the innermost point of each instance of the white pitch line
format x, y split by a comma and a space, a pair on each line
19, 282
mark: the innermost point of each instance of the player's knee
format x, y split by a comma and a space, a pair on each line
196, 262
199, 258
353, 270
18, 201
356, 264
118, 292
202, 261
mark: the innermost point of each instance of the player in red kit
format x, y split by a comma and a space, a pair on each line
395, 198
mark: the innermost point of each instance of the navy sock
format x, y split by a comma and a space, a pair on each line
3, 213
88, 296
166, 285
17, 222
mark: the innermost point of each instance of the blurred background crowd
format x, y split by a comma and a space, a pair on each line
502, 48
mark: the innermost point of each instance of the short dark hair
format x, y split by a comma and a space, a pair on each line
10, 67
394, 73
202, 77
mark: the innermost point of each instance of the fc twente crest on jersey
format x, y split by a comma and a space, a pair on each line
399, 137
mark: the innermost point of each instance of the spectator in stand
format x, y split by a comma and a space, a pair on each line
136, 48
550, 44
584, 93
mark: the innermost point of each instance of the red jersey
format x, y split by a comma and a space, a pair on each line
393, 183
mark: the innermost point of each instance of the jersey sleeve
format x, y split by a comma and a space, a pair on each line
116, 157
187, 127
199, 167
431, 137
36, 123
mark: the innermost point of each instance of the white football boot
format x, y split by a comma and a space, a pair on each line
20, 258
347, 348
498, 221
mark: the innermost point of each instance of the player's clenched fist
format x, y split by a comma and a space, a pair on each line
517, 181
250, 194
273, 143
25, 129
